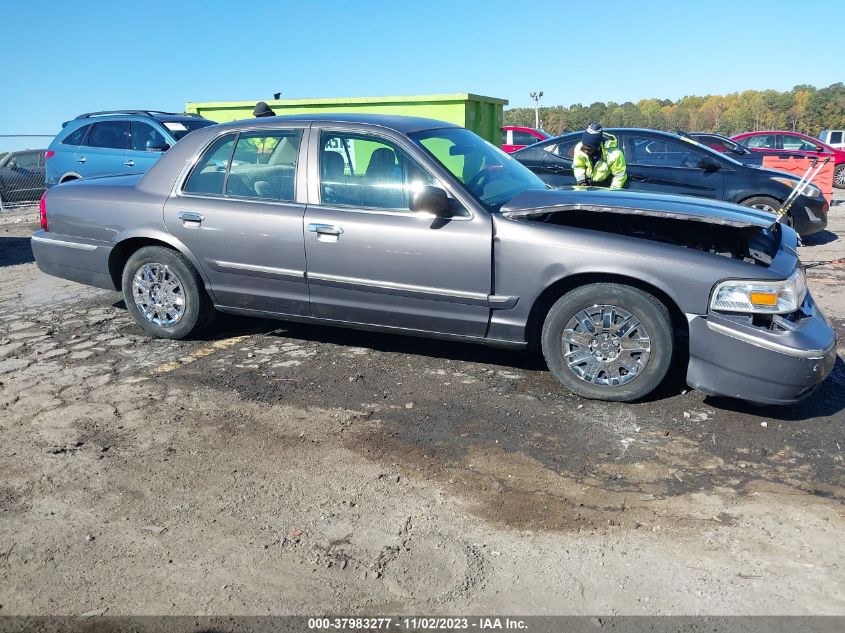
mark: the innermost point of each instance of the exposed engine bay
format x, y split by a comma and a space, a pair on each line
750, 244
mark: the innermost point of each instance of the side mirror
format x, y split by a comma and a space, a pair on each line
12, 164
430, 200
821, 149
152, 147
709, 165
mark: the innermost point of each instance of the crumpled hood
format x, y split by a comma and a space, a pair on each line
600, 200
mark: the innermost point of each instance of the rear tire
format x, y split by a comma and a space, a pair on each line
608, 341
769, 205
839, 177
165, 294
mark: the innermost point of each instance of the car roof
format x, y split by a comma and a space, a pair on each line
402, 124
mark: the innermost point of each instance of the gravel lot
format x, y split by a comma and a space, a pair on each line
279, 468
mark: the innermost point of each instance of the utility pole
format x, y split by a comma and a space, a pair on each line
536, 96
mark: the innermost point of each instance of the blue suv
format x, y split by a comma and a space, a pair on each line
115, 142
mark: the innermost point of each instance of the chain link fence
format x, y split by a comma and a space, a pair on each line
22, 173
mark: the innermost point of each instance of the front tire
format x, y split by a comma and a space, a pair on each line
608, 341
769, 205
165, 294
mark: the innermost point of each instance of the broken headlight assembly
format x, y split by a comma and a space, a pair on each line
760, 297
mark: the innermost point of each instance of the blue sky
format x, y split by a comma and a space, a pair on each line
63, 58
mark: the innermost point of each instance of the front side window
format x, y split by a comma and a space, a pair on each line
797, 143
28, 160
565, 150
660, 152
835, 138
488, 173
761, 141
365, 171
77, 136
178, 129
209, 174
108, 134
144, 136
264, 165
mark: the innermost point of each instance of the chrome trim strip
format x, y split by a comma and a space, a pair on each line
387, 287
369, 327
813, 354
252, 268
76, 245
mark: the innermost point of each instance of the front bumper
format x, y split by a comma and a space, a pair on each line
809, 215
731, 357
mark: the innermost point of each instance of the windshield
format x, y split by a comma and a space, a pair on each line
486, 171
180, 128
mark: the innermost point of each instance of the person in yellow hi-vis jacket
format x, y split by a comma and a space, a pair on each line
598, 161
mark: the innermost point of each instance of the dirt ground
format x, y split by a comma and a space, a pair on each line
287, 469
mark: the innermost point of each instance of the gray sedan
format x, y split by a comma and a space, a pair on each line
420, 227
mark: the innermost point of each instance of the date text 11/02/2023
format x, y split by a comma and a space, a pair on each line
417, 623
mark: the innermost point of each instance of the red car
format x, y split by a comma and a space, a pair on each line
515, 137
762, 141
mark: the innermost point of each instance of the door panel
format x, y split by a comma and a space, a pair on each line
250, 251
102, 154
666, 165
241, 221
371, 260
138, 159
397, 270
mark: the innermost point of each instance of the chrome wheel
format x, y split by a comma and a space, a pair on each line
605, 345
839, 176
158, 294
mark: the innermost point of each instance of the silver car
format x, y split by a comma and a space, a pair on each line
420, 227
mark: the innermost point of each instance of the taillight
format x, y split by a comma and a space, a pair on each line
49, 154
42, 211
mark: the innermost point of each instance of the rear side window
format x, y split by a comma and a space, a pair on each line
761, 141
77, 136
209, 174
108, 134
264, 165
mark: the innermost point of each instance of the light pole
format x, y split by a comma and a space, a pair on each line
536, 96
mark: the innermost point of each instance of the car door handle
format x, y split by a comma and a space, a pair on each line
190, 216
129, 163
325, 229
82, 159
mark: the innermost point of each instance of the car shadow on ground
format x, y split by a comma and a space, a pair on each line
820, 239
15, 251
827, 400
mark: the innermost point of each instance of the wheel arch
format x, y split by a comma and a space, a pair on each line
71, 175
554, 291
130, 244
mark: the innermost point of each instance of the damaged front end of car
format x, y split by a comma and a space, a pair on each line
759, 336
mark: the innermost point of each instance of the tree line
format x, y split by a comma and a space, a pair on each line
804, 109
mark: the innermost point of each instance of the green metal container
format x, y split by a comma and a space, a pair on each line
482, 115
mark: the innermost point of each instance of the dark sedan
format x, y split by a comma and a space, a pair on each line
22, 176
662, 162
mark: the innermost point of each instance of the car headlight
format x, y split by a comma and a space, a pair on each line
761, 297
811, 191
